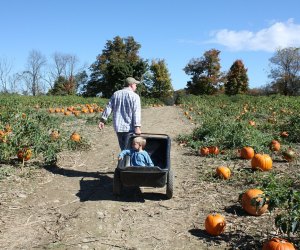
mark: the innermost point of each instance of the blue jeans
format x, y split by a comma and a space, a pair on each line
122, 139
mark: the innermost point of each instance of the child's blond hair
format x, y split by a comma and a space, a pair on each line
140, 140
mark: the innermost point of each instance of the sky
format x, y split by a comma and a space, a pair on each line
174, 30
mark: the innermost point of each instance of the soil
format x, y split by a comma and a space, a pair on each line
72, 206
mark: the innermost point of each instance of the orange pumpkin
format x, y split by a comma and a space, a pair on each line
262, 161
223, 172
275, 145
75, 137
248, 200
7, 128
215, 224
24, 154
247, 153
51, 110
214, 150
3, 136
54, 135
252, 123
204, 151
278, 244
284, 134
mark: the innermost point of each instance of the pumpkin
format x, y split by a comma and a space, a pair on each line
289, 155
223, 172
204, 151
262, 161
214, 150
75, 137
54, 135
247, 153
275, 145
252, 123
278, 244
215, 224
3, 135
248, 200
24, 154
51, 110
76, 112
7, 128
284, 134
71, 108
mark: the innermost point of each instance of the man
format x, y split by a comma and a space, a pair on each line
126, 107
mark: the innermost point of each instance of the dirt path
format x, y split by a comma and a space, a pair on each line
72, 206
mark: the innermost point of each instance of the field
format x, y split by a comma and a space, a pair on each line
39, 210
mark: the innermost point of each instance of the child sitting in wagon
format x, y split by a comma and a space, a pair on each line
138, 156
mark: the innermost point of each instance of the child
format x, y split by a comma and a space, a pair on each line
138, 156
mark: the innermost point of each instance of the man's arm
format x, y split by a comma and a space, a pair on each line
137, 115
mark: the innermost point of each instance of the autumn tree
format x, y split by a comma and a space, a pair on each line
118, 60
237, 79
205, 73
161, 82
285, 71
63, 86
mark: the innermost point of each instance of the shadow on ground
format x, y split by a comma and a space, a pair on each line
237, 240
96, 186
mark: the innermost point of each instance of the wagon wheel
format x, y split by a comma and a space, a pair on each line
117, 184
170, 184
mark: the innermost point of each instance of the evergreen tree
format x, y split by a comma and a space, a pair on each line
119, 60
237, 79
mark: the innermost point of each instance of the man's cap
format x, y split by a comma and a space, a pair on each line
131, 80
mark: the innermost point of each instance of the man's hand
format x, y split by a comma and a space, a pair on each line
137, 130
101, 125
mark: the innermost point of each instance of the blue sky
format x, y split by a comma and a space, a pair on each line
176, 31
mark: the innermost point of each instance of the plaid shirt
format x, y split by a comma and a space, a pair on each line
126, 108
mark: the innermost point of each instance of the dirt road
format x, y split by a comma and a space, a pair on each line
72, 206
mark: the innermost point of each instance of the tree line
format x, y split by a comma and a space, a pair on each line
120, 59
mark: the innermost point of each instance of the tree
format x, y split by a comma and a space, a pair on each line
63, 86
162, 87
237, 79
5, 69
205, 72
285, 71
64, 74
33, 74
119, 59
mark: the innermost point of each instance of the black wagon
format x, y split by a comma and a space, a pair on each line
161, 175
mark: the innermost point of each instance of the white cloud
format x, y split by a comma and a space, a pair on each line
278, 35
